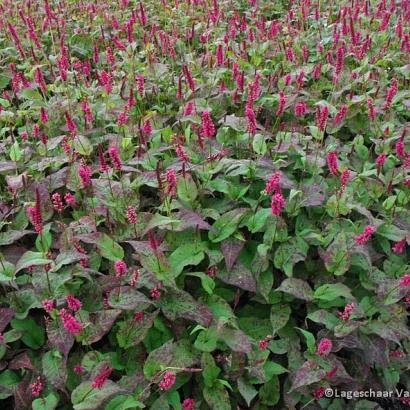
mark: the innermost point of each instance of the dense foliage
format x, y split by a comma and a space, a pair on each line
204, 204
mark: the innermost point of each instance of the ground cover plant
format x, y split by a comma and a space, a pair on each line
204, 204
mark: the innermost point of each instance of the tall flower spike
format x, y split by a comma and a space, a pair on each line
282, 102
277, 204
340, 116
131, 215
366, 235
273, 184
391, 93
102, 377
251, 118
84, 172
300, 109
70, 323
208, 128
219, 55
34, 214
171, 182
115, 158
103, 164
370, 109
332, 163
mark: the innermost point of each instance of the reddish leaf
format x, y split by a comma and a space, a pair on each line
6, 314
59, 337
231, 248
308, 374
22, 394
191, 219
21, 361
237, 340
101, 323
176, 303
239, 276
297, 288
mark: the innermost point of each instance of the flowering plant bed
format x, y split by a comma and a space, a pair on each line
204, 204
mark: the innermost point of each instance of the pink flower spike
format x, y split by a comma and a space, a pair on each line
57, 202
366, 235
273, 184
131, 215
70, 323
69, 198
319, 393
188, 404
324, 347
168, 381
332, 163
48, 305
73, 303
102, 377
399, 247
405, 280
37, 387
120, 268
208, 128
115, 158
277, 204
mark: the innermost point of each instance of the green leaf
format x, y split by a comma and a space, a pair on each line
124, 402
324, 317
184, 255
34, 335
257, 221
279, 316
290, 253
162, 222
273, 369
31, 259
49, 402
217, 398
83, 145
391, 232
210, 370
109, 249
207, 282
54, 369
269, 393
226, 225
158, 359
207, 340
248, 392
15, 152
331, 291
310, 340
9, 378
186, 189
6, 270
259, 144
84, 397
31, 94
43, 241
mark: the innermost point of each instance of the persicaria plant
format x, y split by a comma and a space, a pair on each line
204, 204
